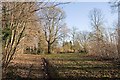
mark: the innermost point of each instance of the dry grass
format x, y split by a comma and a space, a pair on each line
65, 66
27, 66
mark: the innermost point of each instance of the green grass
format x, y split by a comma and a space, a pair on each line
78, 65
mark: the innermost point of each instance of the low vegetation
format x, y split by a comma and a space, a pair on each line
68, 65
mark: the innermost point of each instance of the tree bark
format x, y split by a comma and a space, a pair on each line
118, 47
49, 48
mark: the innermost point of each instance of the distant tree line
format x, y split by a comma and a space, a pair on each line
36, 28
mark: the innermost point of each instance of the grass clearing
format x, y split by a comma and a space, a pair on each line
79, 65
69, 65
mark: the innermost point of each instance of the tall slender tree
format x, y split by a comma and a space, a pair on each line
118, 29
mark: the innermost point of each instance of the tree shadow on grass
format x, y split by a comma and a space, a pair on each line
24, 73
54, 70
85, 78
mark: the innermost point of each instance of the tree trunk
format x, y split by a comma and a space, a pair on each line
49, 48
118, 47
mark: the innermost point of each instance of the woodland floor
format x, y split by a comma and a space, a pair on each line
62, 66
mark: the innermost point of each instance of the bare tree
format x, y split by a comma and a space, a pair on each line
116, 5
96, 19
82, 38
65, 34
73, 35
52, 18
119, 29
15, 18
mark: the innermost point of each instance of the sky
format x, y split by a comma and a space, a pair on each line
77, 14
